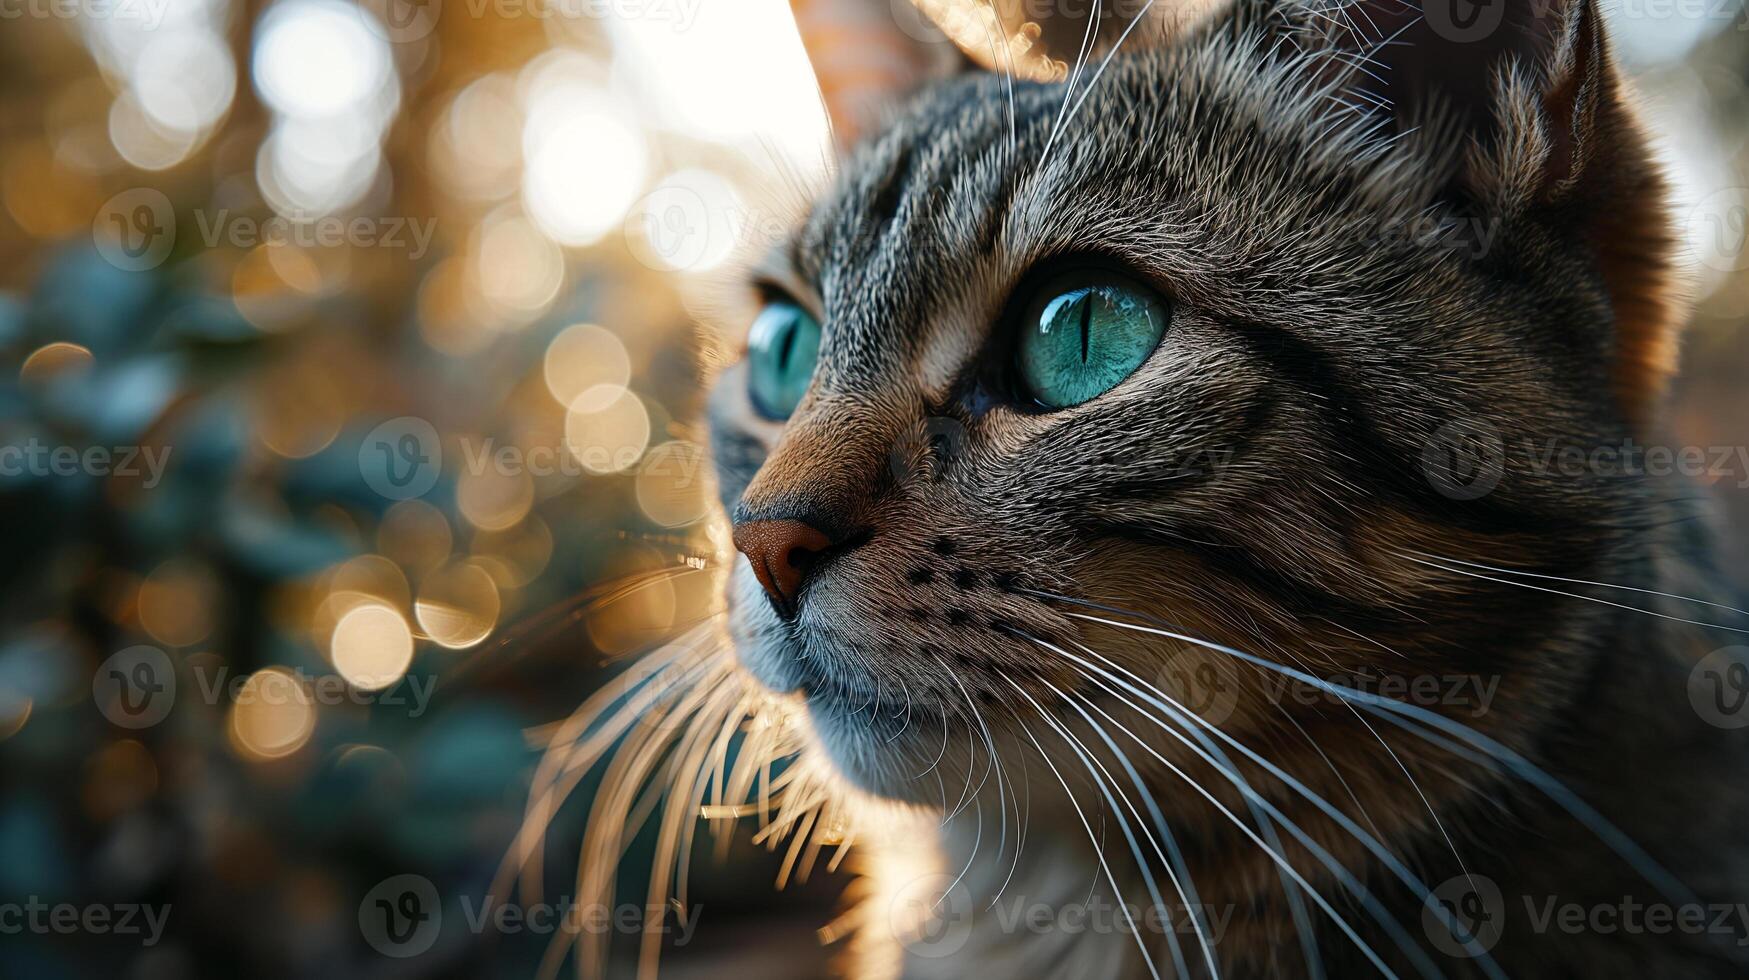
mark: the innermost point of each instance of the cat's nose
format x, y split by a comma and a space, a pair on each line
781, 553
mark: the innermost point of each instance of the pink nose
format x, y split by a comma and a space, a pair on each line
781, 553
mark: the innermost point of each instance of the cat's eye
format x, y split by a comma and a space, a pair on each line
1084, 334
782, 348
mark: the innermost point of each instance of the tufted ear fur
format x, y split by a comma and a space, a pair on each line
869, 54
1547, 135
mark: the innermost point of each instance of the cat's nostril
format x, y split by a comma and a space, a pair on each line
782, 553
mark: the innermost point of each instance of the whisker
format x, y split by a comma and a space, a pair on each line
995, 761
564, 747
1098, 849
1005, 64
1581, 581
1324, 857
1391, 710
1573, 595
557, 615
1176, 869
665, 868
1069, 86
1109, 55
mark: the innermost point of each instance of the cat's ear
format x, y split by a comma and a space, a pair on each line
1478, 72
1542, 127
868, 54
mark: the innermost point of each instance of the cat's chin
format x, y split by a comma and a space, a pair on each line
880, 746
881, 751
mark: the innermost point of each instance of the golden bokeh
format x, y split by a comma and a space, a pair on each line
273, 715
458, 605
374, 577
268, 282
372, 647
476, 145
657, 594
671, 484
122, 776
415, 535
515, 557
586, 358
53, 360
607, 429
493, 499
45, 198
15, 709
359, 581
517, 270
175, 603
299, 408
449, 317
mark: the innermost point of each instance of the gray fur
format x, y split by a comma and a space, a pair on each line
1261, 480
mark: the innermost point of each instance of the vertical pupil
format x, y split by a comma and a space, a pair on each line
787, 345
1086, 324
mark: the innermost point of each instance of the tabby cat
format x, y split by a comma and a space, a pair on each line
1151, 542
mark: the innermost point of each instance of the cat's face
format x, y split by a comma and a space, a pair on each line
1199, 340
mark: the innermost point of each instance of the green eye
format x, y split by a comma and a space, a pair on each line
1086, 334
781, 350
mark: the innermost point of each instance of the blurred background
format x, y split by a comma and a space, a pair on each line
350, 352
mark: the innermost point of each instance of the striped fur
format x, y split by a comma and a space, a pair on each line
1364, 254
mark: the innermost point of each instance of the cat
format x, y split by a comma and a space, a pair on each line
1147, 536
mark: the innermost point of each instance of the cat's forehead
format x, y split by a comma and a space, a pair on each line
912, 228
1245, 193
